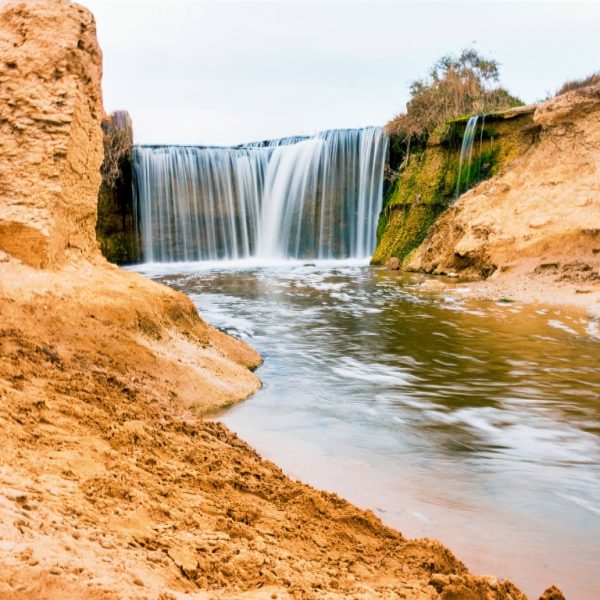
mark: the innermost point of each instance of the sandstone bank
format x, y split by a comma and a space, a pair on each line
423, 175
50, 142
533, 228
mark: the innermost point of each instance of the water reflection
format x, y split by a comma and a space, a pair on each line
477, 423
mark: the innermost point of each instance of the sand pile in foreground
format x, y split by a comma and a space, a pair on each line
112, 487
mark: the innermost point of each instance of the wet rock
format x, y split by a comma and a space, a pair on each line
393, 264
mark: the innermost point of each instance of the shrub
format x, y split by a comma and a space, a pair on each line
118, 142
456, 86
577, 84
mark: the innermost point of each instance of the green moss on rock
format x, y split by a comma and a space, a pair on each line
426, 180
406, 228
115, 225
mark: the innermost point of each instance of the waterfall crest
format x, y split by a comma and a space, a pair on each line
302, 197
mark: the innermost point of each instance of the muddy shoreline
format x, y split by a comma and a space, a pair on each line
525, 288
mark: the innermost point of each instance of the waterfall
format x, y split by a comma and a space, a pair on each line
480, 147
313, 197
466, 152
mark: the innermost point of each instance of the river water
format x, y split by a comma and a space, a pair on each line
473, 422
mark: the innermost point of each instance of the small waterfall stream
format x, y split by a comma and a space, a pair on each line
466, 155
302, 197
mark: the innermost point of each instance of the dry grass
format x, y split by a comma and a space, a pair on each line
456, 86
577, 84
118, 142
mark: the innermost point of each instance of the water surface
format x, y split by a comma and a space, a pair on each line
477, 423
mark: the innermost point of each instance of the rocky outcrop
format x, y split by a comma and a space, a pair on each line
50, 137
116, 228
50, 155
540, 215
425, 176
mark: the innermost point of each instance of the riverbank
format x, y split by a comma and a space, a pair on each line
540, 291
545, 288
374, 388
114, 487
530, 233
532, 230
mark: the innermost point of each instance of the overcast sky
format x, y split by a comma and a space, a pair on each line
229, 72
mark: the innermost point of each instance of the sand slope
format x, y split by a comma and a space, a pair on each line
111, 483
535, 227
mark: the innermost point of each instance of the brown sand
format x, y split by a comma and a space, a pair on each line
549, 287
112, 486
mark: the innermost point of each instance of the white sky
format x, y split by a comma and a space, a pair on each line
229, 72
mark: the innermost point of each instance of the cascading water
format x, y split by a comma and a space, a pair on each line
481, 146
303, 197
466, 154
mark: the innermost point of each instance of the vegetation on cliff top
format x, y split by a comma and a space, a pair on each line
118, 144
455, 86
576, 84
424, 174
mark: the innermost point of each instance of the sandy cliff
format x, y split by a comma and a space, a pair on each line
423, 178
51, 269
538, 221
111, 486
50, 142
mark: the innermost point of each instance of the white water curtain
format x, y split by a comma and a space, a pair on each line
316, 197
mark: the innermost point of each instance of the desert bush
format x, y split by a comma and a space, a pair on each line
577, 84
118, 142
455, 86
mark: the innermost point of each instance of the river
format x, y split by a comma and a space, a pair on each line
473, 422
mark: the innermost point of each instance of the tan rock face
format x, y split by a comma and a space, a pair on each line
540, 215
393, 264
50, 137
51, 151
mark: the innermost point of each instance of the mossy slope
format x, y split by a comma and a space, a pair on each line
426, 176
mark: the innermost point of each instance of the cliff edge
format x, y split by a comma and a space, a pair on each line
51, 151
539, 218
50, 139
